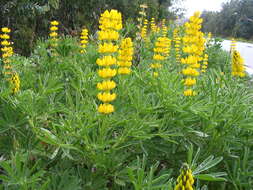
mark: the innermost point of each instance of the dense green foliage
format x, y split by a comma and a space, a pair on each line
51, 136
234, 20
30, 18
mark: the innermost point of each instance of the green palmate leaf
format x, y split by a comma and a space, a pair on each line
120, 182
204, 187
210, 177
196, 157
4, 178
48, 137
190, 154
207, 164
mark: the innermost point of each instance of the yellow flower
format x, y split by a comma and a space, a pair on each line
7, 49
158, 57
53, 34
84, 40
106, 108
83, 46
107, 72
238, 68
6, 30
190, 60
156, 65
107, 48
190, 81
144, 30
233, 45
111, 20
84, 37
106, 61
190, 92
161, 52
106, 97
124, 71
84, 32
5, 36
125, 57
5, 43
108, 35
196, 66
5, 55
54, 23
155, 74
15, 82
153, 26
185, 180
124, 63
190, 72
53, 28
106, 85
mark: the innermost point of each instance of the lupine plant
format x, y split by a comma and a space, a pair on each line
79, 123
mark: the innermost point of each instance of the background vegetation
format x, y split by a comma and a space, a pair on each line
234, 20
52, 138
30, 18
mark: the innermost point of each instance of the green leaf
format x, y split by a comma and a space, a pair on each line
209, 177
207, 164
120, 182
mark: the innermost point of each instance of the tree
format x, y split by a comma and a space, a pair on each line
30, 18
235, 19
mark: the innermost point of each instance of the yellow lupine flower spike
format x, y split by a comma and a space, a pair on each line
185, 180
110, 22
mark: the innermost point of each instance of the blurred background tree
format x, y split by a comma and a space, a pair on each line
234, 20
29, 19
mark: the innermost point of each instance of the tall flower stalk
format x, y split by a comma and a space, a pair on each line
144, 30
185, 180
233, 45
177, 44
153, 25
238, 68
125, 56
15, 83
161, 52
110, 23
53, 35
7, 52
205, 63
142, 15
193, 48
83, 40
164, 28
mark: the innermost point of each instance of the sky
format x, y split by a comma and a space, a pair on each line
200, 5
